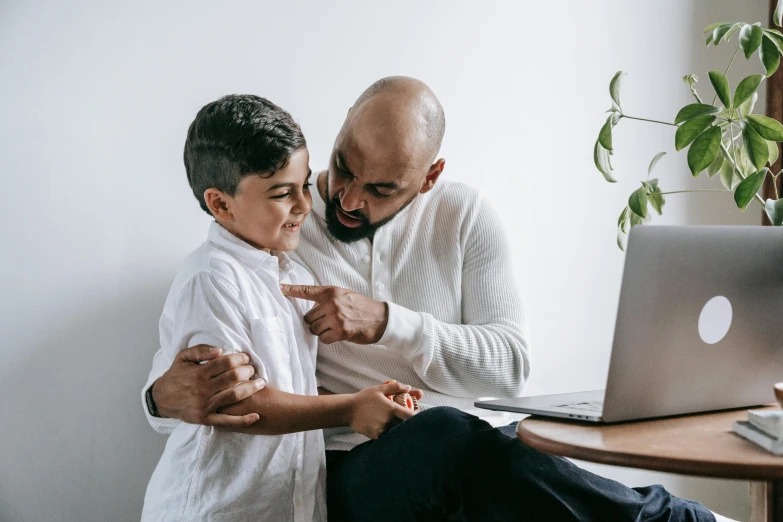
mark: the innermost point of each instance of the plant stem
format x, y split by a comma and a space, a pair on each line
727, 71
695, 94
645, 119
694, 190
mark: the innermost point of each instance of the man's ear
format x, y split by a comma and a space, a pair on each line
218, 204
432, 176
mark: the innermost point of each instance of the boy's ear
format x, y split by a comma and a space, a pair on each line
217, 203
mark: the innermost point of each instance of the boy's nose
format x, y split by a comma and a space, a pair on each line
303, 206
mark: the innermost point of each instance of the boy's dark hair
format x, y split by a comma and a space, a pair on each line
237, 136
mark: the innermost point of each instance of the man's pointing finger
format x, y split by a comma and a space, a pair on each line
308, 292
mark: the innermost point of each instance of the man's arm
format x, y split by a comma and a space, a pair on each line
486, 355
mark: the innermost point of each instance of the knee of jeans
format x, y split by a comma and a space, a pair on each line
441, 417
448, 426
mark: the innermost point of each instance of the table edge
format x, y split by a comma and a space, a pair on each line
666, 464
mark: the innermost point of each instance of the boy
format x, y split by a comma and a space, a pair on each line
247, 163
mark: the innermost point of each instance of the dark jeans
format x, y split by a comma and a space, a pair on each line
444, 464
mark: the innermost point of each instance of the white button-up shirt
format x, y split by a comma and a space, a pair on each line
227, 294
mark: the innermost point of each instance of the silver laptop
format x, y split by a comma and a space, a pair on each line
698, 328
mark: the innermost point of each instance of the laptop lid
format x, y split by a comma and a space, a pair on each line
698, 322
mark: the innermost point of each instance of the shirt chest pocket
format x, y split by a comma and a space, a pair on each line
273, 352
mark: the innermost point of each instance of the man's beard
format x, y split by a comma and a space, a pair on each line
347, 234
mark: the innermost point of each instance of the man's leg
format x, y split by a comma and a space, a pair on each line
444, 464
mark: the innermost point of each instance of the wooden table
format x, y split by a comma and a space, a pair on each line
702, 445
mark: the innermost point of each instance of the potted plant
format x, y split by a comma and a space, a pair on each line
723, 137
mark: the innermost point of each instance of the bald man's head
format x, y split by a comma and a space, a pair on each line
409, 94
383, 157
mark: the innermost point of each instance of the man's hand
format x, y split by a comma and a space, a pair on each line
193, 392
340, 314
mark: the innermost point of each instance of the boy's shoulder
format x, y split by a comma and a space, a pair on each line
210, 261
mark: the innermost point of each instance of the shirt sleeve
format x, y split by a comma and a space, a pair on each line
207, 310
486, 355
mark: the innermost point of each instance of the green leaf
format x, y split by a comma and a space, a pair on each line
776, 37
638, 202
712, 27
721, 85
623, 227
605, 136
716, 165
703, 151
614, 87
719, 32
654, 195
654, 162
746, 88
750, 39
774, 209
709, 39
773, 152
777, 16
747, 106
745, 165
769, 55
728, 177
601, 159
756, 147
637, 220
690, 130
694, 110
731, 32
748, 188
769, 128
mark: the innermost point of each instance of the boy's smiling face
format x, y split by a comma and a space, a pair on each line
267, 213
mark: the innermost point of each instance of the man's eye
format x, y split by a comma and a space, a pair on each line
282, 196
379, 193
307, 186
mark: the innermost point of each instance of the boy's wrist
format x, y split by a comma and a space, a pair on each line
347, 409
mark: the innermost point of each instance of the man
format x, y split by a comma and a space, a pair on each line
421, 291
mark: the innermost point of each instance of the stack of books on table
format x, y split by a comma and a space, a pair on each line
764, 427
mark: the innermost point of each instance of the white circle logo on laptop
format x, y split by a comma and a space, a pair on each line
715, 319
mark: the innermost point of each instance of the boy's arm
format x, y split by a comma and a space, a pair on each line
190, 380
368, 412
281, 412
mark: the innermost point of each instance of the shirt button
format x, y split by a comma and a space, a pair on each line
380, 287
298, 502
366, 259
380, 257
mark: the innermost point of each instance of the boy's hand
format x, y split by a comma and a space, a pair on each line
193, 392
340, 314
372, 413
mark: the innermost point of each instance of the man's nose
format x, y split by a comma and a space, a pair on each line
350, 199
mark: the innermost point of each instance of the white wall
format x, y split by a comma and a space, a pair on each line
95, 101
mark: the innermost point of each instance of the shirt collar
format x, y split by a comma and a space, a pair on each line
277, 263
